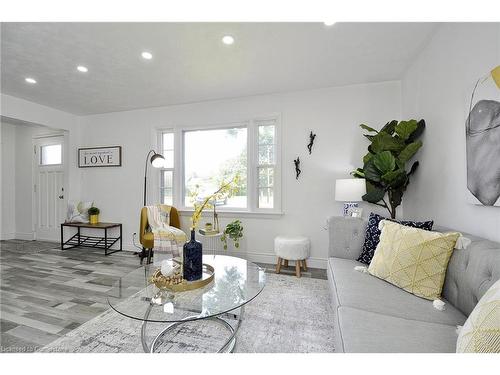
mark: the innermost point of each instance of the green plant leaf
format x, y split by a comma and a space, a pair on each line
405, 128
384, 161
418, 132
386, 142
373, 194
358, 172
371, 172
389, 127
367, 157
409, 151
367, 128
395, 179
413, 168
369, 137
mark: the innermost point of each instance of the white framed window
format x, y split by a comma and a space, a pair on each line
167, 148
51, 154
266, 163
207, 155
211, 156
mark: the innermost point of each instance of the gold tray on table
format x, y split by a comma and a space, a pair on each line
177, 284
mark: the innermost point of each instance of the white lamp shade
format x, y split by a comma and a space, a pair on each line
350, 189
157, 161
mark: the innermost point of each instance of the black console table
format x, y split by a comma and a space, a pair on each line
92, 241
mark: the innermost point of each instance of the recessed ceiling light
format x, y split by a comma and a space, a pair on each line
146, 55
228, 39
82, 69
329, 23
30, 80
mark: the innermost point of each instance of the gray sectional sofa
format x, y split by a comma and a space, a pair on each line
374, 316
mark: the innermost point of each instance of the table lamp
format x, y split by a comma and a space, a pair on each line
350, 191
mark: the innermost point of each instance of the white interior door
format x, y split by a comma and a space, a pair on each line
50, 202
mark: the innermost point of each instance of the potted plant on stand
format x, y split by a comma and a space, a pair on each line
94, 215
234, 231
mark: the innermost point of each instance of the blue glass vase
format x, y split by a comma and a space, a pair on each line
192, 258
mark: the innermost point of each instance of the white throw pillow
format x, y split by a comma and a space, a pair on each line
481, 331
78, 212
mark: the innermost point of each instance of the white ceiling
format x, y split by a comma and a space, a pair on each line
191, 64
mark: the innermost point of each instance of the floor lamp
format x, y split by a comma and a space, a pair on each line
157, 161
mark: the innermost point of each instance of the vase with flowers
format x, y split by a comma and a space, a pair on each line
193, 250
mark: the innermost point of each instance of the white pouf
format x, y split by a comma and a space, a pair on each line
295, 248
292, 248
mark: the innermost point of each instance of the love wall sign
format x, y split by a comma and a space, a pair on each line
100, 157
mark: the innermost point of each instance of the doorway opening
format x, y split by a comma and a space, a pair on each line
34, 177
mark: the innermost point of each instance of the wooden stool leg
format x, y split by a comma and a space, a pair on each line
297, 268
278, 265
286, 262
304, 265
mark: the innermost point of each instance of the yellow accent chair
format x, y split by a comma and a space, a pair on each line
146, 236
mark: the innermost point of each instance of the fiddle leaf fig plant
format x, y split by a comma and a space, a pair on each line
384, 166
234, 231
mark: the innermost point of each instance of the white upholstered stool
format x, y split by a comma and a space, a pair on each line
292, 248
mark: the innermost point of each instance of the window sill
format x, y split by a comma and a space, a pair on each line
235, 214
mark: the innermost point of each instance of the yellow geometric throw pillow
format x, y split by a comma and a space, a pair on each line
481, 331
413, 259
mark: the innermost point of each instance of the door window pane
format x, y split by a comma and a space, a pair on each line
213, 156
51, 154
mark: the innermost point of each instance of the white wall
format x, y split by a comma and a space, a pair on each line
8, 198
437, 87
334, 114
23, 182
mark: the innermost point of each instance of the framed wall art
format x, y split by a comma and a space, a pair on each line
110, 156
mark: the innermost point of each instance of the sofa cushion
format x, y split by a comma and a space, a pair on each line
413, 259
351, 288
471, 272
369, 332
372, 235
481, 331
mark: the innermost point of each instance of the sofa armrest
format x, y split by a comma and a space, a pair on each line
346, 236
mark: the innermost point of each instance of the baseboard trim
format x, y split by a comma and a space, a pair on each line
270, 258
8, 236
25, 236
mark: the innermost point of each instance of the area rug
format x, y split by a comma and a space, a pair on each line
290, 315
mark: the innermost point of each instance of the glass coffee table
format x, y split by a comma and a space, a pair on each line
236, 283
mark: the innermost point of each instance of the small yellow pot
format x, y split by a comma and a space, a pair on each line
94, 219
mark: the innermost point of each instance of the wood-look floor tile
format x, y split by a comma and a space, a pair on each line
46, 292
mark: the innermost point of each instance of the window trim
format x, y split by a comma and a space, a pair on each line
252, 209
